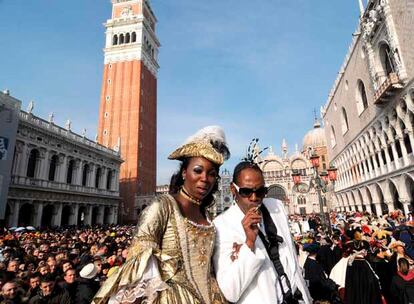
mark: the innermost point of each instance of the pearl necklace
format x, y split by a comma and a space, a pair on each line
188, 196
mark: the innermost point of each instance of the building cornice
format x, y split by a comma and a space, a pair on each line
38, 124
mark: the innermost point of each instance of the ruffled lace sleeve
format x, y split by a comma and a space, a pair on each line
139, 277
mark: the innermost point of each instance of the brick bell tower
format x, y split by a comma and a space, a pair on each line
128, 106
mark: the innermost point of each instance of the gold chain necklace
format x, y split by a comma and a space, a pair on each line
188, 196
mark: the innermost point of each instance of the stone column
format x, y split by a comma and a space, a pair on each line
77, 174
14, 218
114, 215
378, 208
403, 151
411, 135
376, 165
368, 208
394, 152
382, 167
406, 204
88, 215
73, 220
17, 159
390, 205
364, 164
57, 214
371, 169
100, 217
44, 165
63, 168
39, 213
23, 161
388, 158
362, 175
104, 177
92, 175
89, 175
116, 180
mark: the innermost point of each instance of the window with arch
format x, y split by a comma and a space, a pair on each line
85, 174
333, 137
69, 175
344, 121
386, 59
361, 97
134, 37
127, 37
109, 180
301, 200
121, 39
115, 40
32, 163
98, 177
52, 167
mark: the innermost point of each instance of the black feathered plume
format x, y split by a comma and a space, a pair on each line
253, 154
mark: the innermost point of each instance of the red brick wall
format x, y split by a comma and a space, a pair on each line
131, 115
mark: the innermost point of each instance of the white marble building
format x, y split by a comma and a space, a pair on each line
369, 115
60, 178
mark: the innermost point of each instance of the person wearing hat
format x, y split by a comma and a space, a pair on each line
87, 285
169, 259
361, 282
321, 287
398, 249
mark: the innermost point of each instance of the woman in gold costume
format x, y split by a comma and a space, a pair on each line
169, 261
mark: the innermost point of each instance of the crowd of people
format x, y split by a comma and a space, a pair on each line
363, 259
59, 265
69, 265
251, 253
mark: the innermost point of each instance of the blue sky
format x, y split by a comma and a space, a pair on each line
258, 68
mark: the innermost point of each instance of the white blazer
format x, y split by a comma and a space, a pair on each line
252, 278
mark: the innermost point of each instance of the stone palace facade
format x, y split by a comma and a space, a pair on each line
59, 177
369, 115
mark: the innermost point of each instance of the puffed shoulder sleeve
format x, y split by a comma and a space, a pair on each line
139, 277
151, 226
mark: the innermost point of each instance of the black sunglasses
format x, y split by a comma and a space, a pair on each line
247, 192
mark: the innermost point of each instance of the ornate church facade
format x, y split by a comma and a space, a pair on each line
369, 115
278, 169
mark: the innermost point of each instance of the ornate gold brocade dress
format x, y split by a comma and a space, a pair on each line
169, 261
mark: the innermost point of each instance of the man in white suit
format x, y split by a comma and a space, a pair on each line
245, 272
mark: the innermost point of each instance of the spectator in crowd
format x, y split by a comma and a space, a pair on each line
13, 266
34, 283
87, 285
50, 293
10, 293
70, 284
402, 285
321, 287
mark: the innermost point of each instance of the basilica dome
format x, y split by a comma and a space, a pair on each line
315, 137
